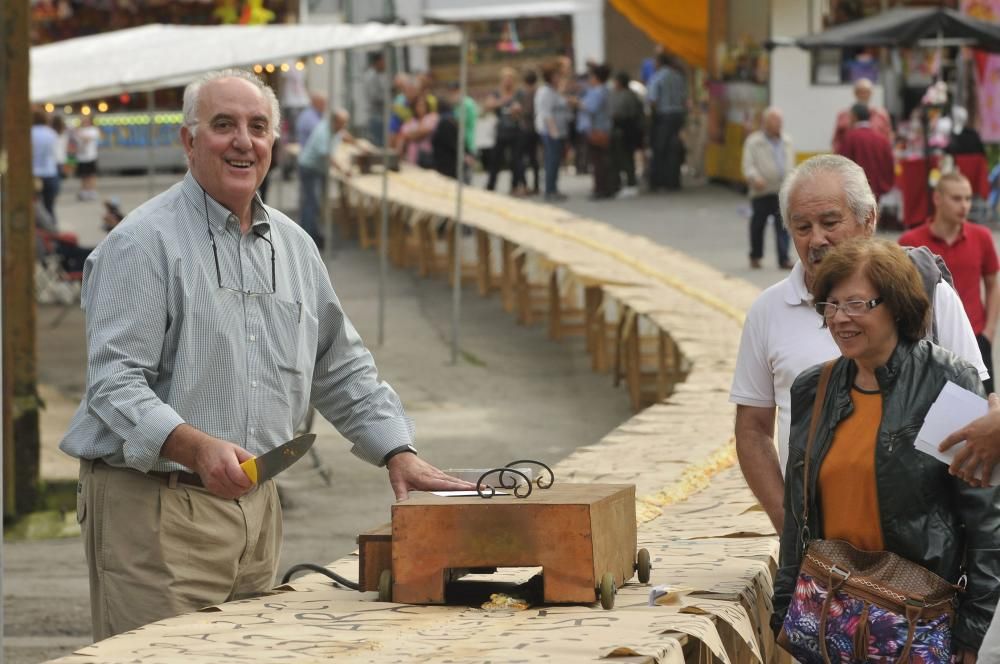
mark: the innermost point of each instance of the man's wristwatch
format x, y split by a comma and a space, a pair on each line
399, 450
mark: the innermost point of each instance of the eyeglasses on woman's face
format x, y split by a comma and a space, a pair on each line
852, 307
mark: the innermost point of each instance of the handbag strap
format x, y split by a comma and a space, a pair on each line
833, 585
824, 380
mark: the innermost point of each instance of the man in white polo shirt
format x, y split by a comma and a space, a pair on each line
824, 201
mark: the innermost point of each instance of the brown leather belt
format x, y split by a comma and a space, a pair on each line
182, 477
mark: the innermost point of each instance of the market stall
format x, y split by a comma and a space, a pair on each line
936, 29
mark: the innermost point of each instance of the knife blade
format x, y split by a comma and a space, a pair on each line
262, 468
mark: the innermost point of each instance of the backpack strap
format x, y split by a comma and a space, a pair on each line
932, 271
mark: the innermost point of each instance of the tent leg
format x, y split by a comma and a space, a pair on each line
326, 221
383, 265
456, 299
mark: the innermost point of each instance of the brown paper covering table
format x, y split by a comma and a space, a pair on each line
583, 536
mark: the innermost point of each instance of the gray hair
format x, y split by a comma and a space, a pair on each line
193, 90
860, 199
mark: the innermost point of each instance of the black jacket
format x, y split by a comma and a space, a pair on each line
444, 143
927, 516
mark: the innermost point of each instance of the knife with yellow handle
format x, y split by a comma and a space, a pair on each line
262, 468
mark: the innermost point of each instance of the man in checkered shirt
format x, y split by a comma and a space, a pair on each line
211, 326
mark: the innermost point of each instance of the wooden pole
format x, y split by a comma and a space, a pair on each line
20, 395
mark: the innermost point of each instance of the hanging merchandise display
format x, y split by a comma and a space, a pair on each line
987, 73
509, 43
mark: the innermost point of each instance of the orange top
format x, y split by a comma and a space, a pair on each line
847, 492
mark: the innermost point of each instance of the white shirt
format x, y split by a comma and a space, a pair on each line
783, 336
293, 89
87, 139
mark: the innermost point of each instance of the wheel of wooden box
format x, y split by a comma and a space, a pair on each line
385, 586
642, 565
607, 591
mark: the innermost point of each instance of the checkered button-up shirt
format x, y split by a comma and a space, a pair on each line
167, 345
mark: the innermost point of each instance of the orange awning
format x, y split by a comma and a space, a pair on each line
681, 27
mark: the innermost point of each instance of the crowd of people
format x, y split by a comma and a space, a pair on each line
535, 121
538, 120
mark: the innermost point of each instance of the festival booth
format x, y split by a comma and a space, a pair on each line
937, 29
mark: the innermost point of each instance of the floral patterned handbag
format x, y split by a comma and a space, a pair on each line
851, 605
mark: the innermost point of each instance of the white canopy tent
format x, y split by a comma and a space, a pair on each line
157, 56
160, 56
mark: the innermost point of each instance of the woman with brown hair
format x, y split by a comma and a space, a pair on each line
867, 485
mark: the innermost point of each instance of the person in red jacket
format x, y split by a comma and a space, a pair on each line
870, 150
969, 253
881, 122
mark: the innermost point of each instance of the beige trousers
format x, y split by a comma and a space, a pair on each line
156, 548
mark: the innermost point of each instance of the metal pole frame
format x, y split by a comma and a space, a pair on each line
326, 219
456, 293
383, 257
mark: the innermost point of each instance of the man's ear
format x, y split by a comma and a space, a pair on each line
871, 221
187, 139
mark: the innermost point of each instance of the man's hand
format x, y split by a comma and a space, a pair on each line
975, 461
966, 656
408, 472
218, 466
216, 461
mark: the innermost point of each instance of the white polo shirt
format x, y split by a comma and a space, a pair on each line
783, 336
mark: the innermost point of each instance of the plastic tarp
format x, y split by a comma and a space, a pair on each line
158, 56
906, 26
682, 27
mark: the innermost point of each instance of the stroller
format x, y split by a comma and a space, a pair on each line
58, 267
60, 258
